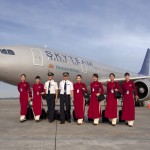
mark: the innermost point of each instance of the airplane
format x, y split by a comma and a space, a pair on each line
35, 60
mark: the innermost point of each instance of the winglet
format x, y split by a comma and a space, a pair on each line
145, 70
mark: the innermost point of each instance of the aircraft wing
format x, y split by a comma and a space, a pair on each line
120, 80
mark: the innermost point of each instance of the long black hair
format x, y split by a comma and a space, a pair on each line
37, 77
95, 75
23, 75
79, 76
112, 74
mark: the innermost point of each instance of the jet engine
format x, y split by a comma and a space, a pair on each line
143, 89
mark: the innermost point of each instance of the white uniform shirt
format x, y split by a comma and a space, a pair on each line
69, 87
53, 86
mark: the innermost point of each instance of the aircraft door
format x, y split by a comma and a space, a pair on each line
84, 68
37, 56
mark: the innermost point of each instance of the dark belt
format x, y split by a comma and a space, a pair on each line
50, 94
65, 94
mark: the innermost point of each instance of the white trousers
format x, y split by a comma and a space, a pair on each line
130, 122
22, 118
80, 121
37, 117
96, 121
113, 121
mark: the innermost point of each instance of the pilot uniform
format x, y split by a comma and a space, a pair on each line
128, 111
25, 93
112, 102
50, 89
94, 111
79, 102
37, 100
66, 87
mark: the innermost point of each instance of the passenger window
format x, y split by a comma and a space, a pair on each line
3, 51
10, 52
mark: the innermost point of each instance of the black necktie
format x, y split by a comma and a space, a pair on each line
49, 88
65, 87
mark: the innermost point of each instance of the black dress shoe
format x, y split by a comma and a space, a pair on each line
69, 121
37, 121
62, 122
130, 126
50, 121
126, 124
90, 120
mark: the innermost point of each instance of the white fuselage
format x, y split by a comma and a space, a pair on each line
34, 61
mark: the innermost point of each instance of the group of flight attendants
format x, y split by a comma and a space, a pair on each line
67, 91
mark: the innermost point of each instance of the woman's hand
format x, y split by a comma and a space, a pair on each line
42, 93
136, 97
116, 90
83, 89
30, 98
98, 94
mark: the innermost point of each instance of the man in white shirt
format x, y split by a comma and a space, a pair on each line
66, 93
51, 90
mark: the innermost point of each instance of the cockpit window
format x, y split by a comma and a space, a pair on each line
10, 52
4, 51
7, 51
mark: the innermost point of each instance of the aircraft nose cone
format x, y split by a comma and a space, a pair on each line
1, 67
4, 65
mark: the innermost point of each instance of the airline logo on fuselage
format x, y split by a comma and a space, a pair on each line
51, 66
67, 69
67, 59
70, 69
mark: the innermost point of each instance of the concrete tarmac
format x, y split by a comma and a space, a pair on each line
45, 136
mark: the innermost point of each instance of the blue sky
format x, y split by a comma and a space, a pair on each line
115, 32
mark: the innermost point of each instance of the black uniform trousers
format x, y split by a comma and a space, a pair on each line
50, 98
65, 107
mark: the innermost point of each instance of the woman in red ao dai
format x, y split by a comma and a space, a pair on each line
111, 101
79, 102
38, 91
25, 95
130, 94
94, 111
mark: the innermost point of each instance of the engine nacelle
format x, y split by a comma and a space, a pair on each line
143, 89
